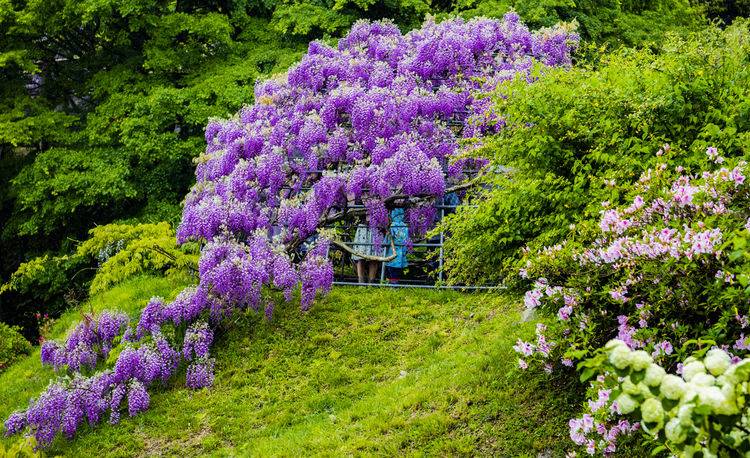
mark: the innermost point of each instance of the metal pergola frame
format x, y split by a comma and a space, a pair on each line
341, 279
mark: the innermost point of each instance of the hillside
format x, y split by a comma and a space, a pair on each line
365, 371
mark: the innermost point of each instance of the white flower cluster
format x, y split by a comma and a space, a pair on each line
684, 408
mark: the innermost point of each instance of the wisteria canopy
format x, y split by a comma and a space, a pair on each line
379, 120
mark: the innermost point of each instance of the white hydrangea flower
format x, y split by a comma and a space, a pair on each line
729, 407
711, 396
717, 361
654, 375
724, 380
703, 380
651, 411
626, 404
640, 360
672, 387
690, 393
692, 369
674, 431
620, 357
729, 391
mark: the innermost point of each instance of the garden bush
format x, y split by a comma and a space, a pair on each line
703, 412
111, 254
572, 133
12, 345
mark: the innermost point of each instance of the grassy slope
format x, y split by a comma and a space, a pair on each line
366, 371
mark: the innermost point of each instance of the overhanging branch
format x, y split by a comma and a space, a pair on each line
366, 257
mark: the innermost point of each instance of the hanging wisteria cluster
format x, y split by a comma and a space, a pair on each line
377, 120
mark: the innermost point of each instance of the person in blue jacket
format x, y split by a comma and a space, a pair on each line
399, 233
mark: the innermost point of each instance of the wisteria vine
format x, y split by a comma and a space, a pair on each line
378, 119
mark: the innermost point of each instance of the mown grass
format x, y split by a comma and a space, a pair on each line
364, 372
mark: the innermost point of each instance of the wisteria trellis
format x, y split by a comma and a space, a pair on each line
373, 119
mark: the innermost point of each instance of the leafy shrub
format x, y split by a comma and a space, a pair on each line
12, 345
120, 252
575, 130
24, 447
124, 251
669, 267
114, 252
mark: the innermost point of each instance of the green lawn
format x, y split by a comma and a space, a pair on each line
365, 371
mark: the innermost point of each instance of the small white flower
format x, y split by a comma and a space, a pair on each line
685, 414
717, 361
614, 343
629, 387
640, 360
703, 380
620, 357
651, 411
626, 404
645, 391
729, 407
711, 396
654, 375
672, 387
692, 369
674, 431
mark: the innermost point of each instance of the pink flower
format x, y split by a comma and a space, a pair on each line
531, 299
737, 176
564, 312
524, 348
619, 294
743, 343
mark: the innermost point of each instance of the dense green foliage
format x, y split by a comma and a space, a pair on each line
12, 345
574, 131
364, 372
611, 22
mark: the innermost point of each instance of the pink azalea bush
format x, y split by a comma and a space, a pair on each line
665, 273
